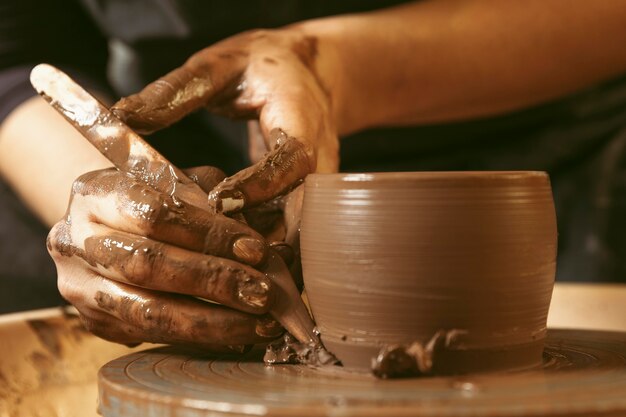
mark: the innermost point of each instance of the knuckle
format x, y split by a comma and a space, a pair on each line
91, 181
152, 316
137, 311
216, 273
59, 242
52, 240
79, 186
145, 263
145, 206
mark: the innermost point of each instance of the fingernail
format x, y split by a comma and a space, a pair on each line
126, 108
254, 292
131, 103
277, 136
120, 113
131, 111
250, 250
268, 327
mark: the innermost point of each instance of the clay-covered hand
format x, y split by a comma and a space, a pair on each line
269, 75
137, 263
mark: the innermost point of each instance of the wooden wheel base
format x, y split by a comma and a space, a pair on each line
583, 374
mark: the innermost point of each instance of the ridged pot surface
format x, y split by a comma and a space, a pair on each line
394, 257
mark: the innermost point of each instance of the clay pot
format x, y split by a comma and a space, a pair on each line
392, 258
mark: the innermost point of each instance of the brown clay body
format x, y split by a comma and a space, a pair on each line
393, 258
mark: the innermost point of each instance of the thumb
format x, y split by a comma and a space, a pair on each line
303, 141
276, 174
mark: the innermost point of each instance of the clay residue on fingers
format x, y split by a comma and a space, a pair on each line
165, 101
201, 81
176, 319
277, 173
207, 177
158, 266
162, 217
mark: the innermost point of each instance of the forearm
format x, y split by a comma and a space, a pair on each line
40, 157
443, 60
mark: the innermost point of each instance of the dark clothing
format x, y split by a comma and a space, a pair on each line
579, 139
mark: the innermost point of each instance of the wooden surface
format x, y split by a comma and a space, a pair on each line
588, 306
49, 363
584, 373
49, 368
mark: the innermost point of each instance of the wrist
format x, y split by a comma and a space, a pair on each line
332, 66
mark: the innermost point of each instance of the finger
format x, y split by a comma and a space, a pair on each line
125, 204
151, 315
293, 217
267, 219
305, 115
256, 142
284, 250
168, 318
207, 76
277, 173
155, 265
297, 125
207, 177
110, 328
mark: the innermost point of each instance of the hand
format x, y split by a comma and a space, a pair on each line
134, 263
269, 75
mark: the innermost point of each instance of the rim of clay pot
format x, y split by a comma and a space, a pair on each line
507, 176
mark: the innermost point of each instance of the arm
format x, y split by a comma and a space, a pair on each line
41, 155
435, 61
120, 267
425, 62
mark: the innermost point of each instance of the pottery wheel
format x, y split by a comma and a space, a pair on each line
584, 373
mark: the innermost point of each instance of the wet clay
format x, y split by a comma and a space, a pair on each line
288, 350
392, 259
416, 359
583, 373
